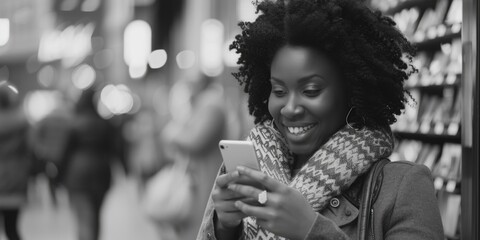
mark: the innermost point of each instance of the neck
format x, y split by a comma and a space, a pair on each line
300, 160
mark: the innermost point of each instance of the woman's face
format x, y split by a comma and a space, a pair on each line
308, 98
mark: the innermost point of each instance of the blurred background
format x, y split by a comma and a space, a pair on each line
152, 69
112, 108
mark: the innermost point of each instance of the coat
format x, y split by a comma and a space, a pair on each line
89, 152
406, 208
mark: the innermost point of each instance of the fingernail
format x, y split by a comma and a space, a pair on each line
240, 168
237, 204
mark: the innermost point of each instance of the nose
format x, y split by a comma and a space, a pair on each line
292, 108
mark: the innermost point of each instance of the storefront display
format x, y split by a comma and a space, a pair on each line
431, 132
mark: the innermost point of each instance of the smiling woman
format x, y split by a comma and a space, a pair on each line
324, 80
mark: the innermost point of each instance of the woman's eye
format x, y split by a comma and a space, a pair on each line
311, 92
279, 92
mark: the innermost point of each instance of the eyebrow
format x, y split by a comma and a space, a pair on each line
301, 80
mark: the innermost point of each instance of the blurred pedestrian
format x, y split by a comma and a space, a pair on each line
15, 165
195, 133
86, 171
48, 139
144, 153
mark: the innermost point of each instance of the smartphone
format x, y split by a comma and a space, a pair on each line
240, 153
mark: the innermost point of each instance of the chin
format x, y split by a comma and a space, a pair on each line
301, 149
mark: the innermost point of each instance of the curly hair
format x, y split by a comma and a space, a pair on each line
374, 57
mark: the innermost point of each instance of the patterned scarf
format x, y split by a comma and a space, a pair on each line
330, 170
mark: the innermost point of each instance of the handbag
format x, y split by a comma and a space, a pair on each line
168, 194
370, 190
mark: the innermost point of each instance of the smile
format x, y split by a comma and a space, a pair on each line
300, 130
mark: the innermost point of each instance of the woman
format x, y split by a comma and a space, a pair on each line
325, 81
15, 164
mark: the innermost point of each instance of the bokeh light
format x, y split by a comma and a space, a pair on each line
83, 76
4, 31
211, 51
157, 58
40, 103
185, 59
46, 76
117, 99
137, 47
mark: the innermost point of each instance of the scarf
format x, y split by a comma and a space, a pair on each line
329, 171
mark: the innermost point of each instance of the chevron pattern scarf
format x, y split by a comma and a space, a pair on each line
330, 170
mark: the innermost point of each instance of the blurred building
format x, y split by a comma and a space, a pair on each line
52, 46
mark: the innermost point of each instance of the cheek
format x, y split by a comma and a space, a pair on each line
329, 109
274, 107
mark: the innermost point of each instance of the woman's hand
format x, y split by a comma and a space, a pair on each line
286, 212
228, 215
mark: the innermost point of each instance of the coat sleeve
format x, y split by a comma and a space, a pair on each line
207, 228
415, 213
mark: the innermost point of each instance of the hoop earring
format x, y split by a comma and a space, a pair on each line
350, 125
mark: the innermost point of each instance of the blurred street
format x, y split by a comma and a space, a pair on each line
85, 84
122, 217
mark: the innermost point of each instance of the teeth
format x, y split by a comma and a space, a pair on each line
299, 130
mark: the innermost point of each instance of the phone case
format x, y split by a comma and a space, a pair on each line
238, 153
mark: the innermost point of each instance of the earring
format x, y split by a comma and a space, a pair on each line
352, 126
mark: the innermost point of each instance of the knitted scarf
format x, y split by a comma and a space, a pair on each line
331, 169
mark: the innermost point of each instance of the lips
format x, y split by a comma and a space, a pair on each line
299, 130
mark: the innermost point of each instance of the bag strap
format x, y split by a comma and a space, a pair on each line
370, 190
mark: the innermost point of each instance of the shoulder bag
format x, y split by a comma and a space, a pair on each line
370, 189
168, 194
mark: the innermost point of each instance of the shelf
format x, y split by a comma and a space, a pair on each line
429, 137
409, 4
436, 42
447, 187
429, 141
432, 88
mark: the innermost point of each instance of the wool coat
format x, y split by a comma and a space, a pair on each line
406, 208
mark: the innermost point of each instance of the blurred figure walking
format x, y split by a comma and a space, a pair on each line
15, 165
86, 172
48, 140
199, 122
